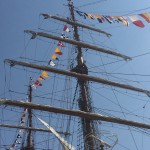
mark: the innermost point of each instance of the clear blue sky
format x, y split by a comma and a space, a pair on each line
18, 15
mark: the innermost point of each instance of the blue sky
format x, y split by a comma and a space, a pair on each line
19, 15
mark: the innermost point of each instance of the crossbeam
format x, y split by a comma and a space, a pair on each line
77, 75
46, 16
30, 128
78, 43
77, 113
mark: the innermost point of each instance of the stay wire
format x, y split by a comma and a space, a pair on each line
93, 3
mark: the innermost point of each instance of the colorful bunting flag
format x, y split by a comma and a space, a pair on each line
18, 136
60, 44
146, 17
13, 147
54, 57
33, 86
22, 121
17, 142
85, 15
66, 28
63, 36
41, 78
38, 83
136, 21
123, 20
79, 13
51, 63
23, 114
90, 16
21, 131
45, 74
25, 109
112, 19
58, 51
108, 19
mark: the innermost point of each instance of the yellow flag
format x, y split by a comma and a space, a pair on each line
54, 56
58, 51
45, 74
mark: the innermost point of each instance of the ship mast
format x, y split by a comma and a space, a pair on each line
84, 99
29, 140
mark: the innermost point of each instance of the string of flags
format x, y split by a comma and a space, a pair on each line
54, 57
20, 131
125, 20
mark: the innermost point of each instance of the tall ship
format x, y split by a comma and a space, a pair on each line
81, 82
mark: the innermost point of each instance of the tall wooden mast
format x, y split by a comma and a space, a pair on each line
84, 99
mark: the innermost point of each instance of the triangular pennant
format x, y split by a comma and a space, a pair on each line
14, 145
25, 109
99, 20
90, 16
79, 13
54, 57
58, 51
108, 19
17, 142
63, 36
98, 17
23, 114
85, 15
18, 136
21, 131
135, 20
22, 121
41, 78
33, 86
66, 28
123, 20
146, 17
51, 63
38, 83
60, 44
45, 74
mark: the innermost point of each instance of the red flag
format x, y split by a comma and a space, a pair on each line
38, 83
60, 44
66, 28
136, 21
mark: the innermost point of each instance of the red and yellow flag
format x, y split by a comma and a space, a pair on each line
45, 74
40, 78
38, 83
58, 51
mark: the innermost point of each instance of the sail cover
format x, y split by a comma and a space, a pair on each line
64, 143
